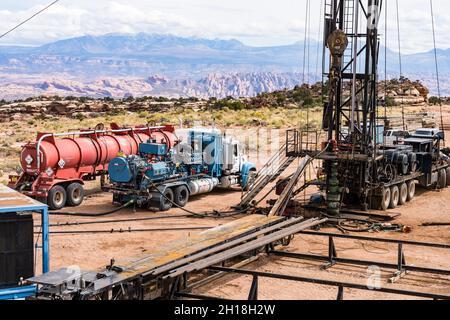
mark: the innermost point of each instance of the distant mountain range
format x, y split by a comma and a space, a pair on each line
120, 65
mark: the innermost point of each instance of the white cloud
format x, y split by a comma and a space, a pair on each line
256, 22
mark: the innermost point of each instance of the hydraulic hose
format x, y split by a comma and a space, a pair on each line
93, 215
67, 224
214, 214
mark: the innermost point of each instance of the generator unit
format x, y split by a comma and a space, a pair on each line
162, 176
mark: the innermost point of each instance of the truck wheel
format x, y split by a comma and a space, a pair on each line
403, 194
411, 190
167, 200
57, 198
385, 199
250, 180
75, 194
395, 197
447, 171
181, 196
442, 179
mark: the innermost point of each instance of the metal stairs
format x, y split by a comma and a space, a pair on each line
271, 171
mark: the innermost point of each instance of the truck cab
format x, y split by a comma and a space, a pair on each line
224, 155
427, 133
395, 137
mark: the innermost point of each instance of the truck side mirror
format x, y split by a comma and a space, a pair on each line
440, 135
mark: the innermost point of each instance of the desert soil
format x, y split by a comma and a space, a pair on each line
95, 251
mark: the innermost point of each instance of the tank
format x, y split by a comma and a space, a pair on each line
202, 186
74, 157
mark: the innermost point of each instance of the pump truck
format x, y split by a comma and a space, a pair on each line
162, 175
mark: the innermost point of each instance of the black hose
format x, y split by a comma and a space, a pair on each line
81, 214
436, 224
67, 224
129, 230
370, 225
214, 214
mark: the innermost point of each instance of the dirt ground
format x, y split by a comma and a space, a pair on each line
94, 251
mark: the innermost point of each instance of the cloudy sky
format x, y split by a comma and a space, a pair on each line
254, 22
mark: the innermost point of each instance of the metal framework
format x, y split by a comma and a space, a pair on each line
401, 267
161, 273
356, 70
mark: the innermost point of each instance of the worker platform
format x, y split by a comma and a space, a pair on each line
156, 275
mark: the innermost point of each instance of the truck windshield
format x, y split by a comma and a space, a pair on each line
424, 133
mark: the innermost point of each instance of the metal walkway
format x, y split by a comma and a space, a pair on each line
158, 275
268, 174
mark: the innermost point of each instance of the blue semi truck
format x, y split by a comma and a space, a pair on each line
159, 178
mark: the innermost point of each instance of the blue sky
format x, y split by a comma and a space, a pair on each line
254, 22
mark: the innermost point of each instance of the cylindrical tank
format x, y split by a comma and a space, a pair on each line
87, 151
202, 186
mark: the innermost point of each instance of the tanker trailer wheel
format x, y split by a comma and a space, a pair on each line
403, 194
57, 198
167, 200
442, 179
75, 194
411, 189
395, 197
181, 196
385, 199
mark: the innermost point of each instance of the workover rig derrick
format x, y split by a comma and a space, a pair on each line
359, 168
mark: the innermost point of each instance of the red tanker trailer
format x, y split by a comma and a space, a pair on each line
66, 160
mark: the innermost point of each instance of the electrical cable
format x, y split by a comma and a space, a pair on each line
437, 68
129, 230
400, 62
304, 43
319, 41
214, 214
25, 21
36, 248
385, 60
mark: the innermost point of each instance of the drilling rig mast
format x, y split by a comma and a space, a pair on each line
350, 111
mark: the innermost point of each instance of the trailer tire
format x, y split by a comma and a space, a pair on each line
447, 171
181, 196
442, 179
411, 190
395, 197
385, 199
57, 198
167, 200
75, 194
403, 194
